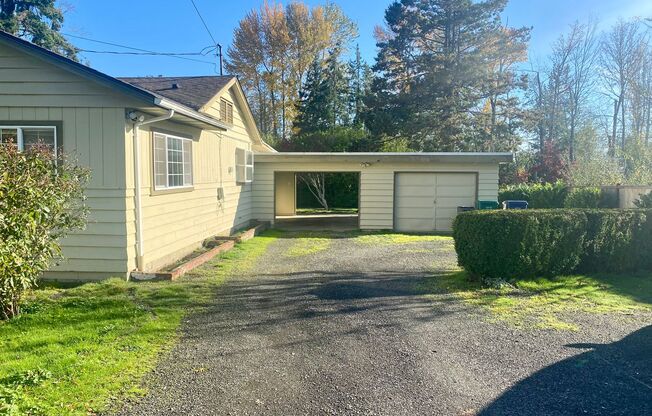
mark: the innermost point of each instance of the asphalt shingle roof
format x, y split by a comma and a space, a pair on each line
193, 92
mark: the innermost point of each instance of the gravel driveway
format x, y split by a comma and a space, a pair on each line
346, 330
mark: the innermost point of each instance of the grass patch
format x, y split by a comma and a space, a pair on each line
308, 243
74, 351
548, 303
322, 211
394, 238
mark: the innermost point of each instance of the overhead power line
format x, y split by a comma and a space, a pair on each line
139, 51
217, 45
204, 22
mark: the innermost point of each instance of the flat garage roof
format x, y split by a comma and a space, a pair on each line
357, 157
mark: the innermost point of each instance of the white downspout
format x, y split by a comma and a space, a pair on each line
140, 121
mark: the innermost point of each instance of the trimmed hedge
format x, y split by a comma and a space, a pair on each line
583, 198
538, 195
529, 243
559, 195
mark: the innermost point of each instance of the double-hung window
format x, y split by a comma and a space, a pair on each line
26, 137
244, 166
172, 162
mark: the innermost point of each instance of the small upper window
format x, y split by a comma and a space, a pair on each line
26, 137
172, 162
244, 166
226, 111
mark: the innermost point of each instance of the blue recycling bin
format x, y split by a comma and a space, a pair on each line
513, 204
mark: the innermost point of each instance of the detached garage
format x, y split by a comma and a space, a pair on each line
409, 192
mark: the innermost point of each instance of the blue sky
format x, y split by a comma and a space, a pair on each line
173, 26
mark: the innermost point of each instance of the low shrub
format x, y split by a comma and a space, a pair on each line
41, 201
522, 244
583, 198
538, 195
516, 244
644, 201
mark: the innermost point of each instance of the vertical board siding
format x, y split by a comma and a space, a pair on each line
376, 185
98, 251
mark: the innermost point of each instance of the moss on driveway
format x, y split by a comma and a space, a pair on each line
76, 350
550, 303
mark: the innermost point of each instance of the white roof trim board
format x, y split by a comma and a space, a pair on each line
439, 157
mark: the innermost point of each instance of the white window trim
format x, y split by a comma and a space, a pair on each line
167, 178
19, 133
247, 153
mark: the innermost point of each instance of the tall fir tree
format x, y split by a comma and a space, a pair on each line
38, 21
433, 62
359, 77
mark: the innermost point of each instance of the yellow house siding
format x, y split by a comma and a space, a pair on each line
93, 136
26, 81
175, 223
376, 185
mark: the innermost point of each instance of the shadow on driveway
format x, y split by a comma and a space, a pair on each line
609, 379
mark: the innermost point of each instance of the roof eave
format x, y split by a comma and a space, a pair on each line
188, 112
461, 157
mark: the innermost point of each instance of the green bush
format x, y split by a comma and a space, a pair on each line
538, 195
522, 244
519, 244
617, 240
583, 198
645, 201
41, 200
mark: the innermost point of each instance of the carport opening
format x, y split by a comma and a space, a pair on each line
317, 200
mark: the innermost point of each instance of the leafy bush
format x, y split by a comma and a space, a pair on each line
522, 244
618, 240
518, 244
583, 198
41, 200
645, 201
609, 198
538, 195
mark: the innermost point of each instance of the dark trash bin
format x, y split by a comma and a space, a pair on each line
513, 204
487, 204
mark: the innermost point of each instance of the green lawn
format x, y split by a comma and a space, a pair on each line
74, 351
550, 303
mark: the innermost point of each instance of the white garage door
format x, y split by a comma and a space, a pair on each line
428, 201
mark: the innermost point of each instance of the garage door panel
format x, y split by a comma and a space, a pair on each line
416, 193
454, 202
414, 213
444, 224
415, 201
416, 225
415, 179
456, 179
452, 191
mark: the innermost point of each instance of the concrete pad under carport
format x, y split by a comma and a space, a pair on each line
334, 222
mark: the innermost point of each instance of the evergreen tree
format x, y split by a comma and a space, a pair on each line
360, 77
38, 21
324, 97
312, 106
434, 60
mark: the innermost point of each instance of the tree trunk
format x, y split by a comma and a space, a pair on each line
316, 183
614, 128
622, 124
